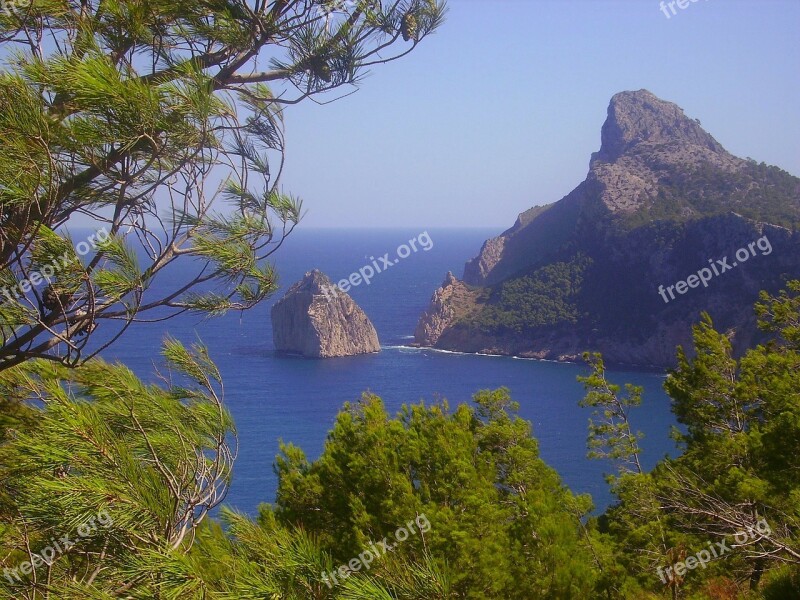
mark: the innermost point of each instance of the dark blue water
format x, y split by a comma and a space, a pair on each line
293, 399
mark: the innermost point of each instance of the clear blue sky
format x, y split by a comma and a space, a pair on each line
501, 109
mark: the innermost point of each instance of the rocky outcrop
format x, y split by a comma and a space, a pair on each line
451, 301
641, 118
315, 319
662, 198
477, 270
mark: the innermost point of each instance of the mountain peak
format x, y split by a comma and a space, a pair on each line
661, 198
641, 117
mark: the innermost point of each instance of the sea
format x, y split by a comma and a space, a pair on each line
274, 397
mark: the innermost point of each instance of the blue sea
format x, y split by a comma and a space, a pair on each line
296, 400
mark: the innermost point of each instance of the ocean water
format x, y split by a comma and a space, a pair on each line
276, 398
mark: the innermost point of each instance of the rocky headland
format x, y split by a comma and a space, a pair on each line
662, 200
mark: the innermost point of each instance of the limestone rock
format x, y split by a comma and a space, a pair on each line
315, 319
449, 303
662, 200
636, 118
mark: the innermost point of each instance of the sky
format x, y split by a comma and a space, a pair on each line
501, 109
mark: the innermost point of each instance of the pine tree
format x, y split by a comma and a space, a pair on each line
141, 115
110, 480
738, 471
502, 523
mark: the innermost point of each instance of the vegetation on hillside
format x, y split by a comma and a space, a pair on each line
565, 276
757, 191
109, 484
547, 296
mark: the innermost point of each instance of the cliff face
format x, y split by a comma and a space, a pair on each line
661, 199
316, 320
448, 301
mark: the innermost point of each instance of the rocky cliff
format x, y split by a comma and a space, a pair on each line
317, 320
448, 301
662, 198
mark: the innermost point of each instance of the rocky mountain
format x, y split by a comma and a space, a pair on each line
662, 201
317, 320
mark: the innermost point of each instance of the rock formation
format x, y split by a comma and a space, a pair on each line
315, 319
443, 309
662, 199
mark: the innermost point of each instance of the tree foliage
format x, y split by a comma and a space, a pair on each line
145, 464
547, 296
740, 439
153, 461
502, 523
136, 116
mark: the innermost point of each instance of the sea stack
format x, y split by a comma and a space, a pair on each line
316, 319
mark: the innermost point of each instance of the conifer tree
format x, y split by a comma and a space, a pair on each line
136, 118
502, 523
109, 481
736, 481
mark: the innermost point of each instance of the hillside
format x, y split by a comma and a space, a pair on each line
662, 201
